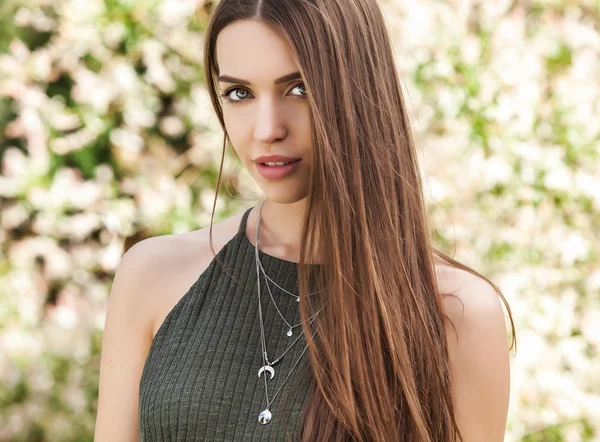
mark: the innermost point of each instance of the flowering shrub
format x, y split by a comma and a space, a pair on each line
107, 136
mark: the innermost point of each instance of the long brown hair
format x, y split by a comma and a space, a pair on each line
380, 358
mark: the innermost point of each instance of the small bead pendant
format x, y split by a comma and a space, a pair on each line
297, 298
265, 416
289, 332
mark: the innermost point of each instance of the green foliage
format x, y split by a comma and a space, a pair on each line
556, 433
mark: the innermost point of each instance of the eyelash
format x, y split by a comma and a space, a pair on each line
225, 95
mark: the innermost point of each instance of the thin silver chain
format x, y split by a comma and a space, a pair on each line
291, 327
281, 288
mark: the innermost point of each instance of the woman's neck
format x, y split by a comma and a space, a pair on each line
280, 228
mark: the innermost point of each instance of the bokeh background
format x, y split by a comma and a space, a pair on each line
107, 137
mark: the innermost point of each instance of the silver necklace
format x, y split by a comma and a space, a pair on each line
265, 416
290, 331
281, 288
291, 327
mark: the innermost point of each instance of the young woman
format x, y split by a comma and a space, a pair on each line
323, 313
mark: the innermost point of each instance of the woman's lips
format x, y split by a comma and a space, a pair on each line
277, 172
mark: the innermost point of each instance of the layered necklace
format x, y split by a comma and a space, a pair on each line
265, 416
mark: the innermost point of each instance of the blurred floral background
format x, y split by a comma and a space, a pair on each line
107, 136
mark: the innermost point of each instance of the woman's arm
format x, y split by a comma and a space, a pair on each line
479, 358
125, 345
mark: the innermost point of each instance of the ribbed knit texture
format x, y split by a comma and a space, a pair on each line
200, 380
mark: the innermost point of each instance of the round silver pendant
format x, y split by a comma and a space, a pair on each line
298, 299
265, 416
289, 332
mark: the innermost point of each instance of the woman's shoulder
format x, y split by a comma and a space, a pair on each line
163, 268
462, 283
165, 252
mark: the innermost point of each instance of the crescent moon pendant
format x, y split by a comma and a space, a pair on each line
268, 368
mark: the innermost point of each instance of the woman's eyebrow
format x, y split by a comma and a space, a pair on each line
288, 77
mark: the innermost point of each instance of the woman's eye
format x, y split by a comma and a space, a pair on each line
241, 94
227, 95
301, 85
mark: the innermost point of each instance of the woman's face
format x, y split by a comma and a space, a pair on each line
265, 108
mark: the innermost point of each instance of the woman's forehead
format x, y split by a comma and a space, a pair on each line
252, 51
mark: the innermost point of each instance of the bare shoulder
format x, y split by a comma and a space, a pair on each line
467, 289
171, 264
478, 352
158, 251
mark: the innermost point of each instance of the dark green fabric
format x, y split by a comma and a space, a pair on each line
200, 380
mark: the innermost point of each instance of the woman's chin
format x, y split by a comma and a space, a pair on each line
284, 195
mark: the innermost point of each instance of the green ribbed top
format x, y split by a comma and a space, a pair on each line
200, 379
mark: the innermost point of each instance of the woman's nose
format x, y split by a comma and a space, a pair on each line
269, 122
